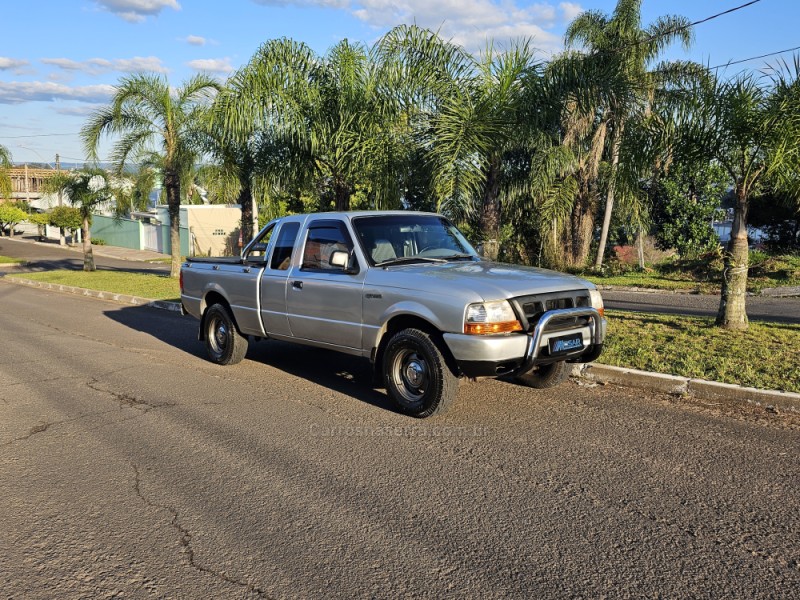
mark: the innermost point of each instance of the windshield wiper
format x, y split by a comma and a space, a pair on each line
458, 257
405, 260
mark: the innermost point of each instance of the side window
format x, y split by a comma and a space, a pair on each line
282, 253
324, 238
258, 251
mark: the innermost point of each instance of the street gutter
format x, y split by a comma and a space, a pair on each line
772, 400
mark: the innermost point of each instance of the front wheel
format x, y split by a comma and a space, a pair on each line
224, 344
546, 376
416, 374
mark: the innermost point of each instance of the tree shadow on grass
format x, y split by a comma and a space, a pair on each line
338, 372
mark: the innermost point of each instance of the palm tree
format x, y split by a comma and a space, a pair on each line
471, 112
750, 126
5, 164
619, 53
149, 116
325, 115
85, 190
232, 176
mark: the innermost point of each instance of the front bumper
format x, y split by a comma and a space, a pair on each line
490, 356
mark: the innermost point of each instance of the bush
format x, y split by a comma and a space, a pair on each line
98, 241
10, 215
66, 217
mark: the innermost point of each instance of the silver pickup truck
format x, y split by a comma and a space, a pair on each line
403, 289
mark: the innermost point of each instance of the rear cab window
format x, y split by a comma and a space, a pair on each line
284, 245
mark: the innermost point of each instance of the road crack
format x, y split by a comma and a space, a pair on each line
126, 400
46, 425
185, 538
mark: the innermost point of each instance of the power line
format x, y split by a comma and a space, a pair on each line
17, 137
679, 28
743, 60
730, 10
693, 23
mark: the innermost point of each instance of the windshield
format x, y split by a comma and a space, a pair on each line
400, 239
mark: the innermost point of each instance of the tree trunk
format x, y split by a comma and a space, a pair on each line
88, 256
640, 248
246, 202
172, 185
342, 193
732, 312
490, 211
62, 239
581, 228
615, 148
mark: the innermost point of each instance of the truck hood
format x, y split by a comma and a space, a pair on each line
484, 279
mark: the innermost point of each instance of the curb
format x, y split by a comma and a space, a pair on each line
593, 372
687, 386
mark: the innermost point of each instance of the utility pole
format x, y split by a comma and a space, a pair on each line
58, 170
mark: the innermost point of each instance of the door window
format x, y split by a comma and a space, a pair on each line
324, 238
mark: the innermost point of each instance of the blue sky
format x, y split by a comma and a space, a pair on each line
59, 62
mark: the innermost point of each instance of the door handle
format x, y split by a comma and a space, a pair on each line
298, 285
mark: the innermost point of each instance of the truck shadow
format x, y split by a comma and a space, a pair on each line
349, 375
338, 372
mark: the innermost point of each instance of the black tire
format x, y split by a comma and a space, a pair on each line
224, 344
416, 374
546, 376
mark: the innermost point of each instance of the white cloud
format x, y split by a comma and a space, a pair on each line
466, 22
212, 65
97, 66
570, 10
80, 110
196, 40
7, 64
17, 92
136, 11
138, 64
17, 65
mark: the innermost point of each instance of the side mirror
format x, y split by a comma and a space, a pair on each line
342, 260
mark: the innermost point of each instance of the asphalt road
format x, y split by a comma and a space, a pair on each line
779, 310
48, 256
132, 467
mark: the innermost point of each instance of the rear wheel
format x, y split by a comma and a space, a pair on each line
546, 376
224, 344
416, 374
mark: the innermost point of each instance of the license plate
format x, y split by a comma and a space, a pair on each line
566, 343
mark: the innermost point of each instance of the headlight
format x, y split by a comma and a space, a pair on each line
597, 301
490, 317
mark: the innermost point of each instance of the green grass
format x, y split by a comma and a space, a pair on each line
156, 287
704, 275
764, 356
7, 260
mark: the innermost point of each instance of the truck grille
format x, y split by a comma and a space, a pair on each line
531, 308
